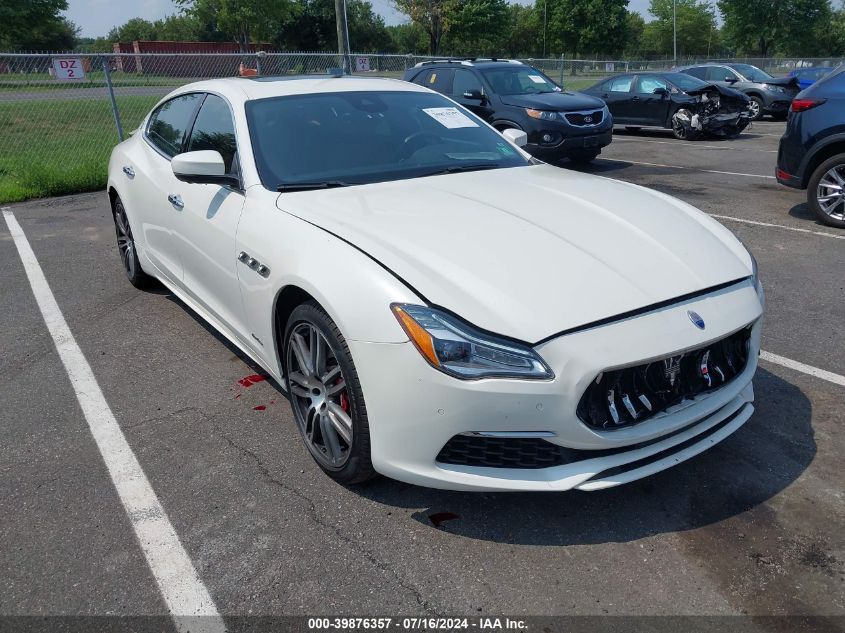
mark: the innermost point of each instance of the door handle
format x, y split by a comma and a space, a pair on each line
176, 200
635, 99
129, 171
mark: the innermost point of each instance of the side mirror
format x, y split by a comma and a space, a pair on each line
474, 94
731, 79
660, 91
202, 167
517, 137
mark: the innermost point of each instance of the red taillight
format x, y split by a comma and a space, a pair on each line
782, 175
800, 105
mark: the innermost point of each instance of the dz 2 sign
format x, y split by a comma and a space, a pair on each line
68, 69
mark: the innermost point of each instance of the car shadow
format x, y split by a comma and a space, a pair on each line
757, 462
802, 211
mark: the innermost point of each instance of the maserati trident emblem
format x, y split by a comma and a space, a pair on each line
671, 368
696, 319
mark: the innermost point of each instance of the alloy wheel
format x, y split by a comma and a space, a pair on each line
319, 396
830, 192
125, 242
754, 107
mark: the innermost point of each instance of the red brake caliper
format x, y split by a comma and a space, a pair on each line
344, 399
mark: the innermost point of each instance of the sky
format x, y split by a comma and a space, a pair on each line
97, 17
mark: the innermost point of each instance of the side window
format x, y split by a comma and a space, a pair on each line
700, 72
438, 79
464, 81
647, 84
718, 73
169, 122
215, 129
620, 84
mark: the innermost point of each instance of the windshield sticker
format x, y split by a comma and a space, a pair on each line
450, 117
504, 149
433, 78
537, 79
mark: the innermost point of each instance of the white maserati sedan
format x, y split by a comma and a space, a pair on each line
440, 307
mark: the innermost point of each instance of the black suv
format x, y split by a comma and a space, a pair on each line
812, 150
769, 95
509, 94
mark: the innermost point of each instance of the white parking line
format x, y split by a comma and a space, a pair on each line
776, 226
183, 591
694, 145
706, 171
804, 369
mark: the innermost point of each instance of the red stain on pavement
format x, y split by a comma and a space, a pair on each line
251, 380
438, 518
260, 407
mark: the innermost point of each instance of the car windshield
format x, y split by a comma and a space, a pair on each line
518, 80
752, 73
352, 138
685, 82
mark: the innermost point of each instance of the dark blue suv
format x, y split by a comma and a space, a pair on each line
811, 155
509, 94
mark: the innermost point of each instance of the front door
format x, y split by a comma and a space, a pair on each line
647, 106
209, 222
466, 82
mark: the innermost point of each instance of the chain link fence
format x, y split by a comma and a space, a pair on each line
61, 114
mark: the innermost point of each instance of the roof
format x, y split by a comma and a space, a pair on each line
247, 89
471, 61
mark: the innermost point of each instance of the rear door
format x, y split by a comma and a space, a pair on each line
616, 92
208, 223
154, 182
439, 79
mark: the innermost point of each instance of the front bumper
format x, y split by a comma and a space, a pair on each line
414, 410
779, 105
571, 145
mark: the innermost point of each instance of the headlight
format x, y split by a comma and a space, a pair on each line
458, 349
541, 114
773, 88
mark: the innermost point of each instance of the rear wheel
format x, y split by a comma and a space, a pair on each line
126, 247
826, 191
325, 395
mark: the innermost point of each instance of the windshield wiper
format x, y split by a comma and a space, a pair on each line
456, 169
308, 186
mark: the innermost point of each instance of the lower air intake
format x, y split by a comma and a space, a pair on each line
499, 452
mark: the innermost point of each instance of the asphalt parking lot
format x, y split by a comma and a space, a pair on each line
753, 526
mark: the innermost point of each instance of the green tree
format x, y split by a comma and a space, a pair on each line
479, 27
696, 28
408, 38
136, 29
35, 25
314, 28
791, 27
433, 16
243, 21
587, 26
634, 29
524, 32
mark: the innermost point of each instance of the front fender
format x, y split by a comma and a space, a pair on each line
354, 290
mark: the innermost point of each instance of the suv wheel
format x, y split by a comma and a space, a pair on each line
826, 191
756, 107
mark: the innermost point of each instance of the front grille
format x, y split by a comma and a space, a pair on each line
628, 396
500, 452
580, 118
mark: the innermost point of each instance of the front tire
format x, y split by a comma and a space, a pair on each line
826, 191
756, 107
127, 248
325, 395
682, 126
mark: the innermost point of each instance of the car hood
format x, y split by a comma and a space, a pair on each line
781, 81
555, 101
528, 252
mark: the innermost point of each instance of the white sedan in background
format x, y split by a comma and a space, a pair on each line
441, 308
